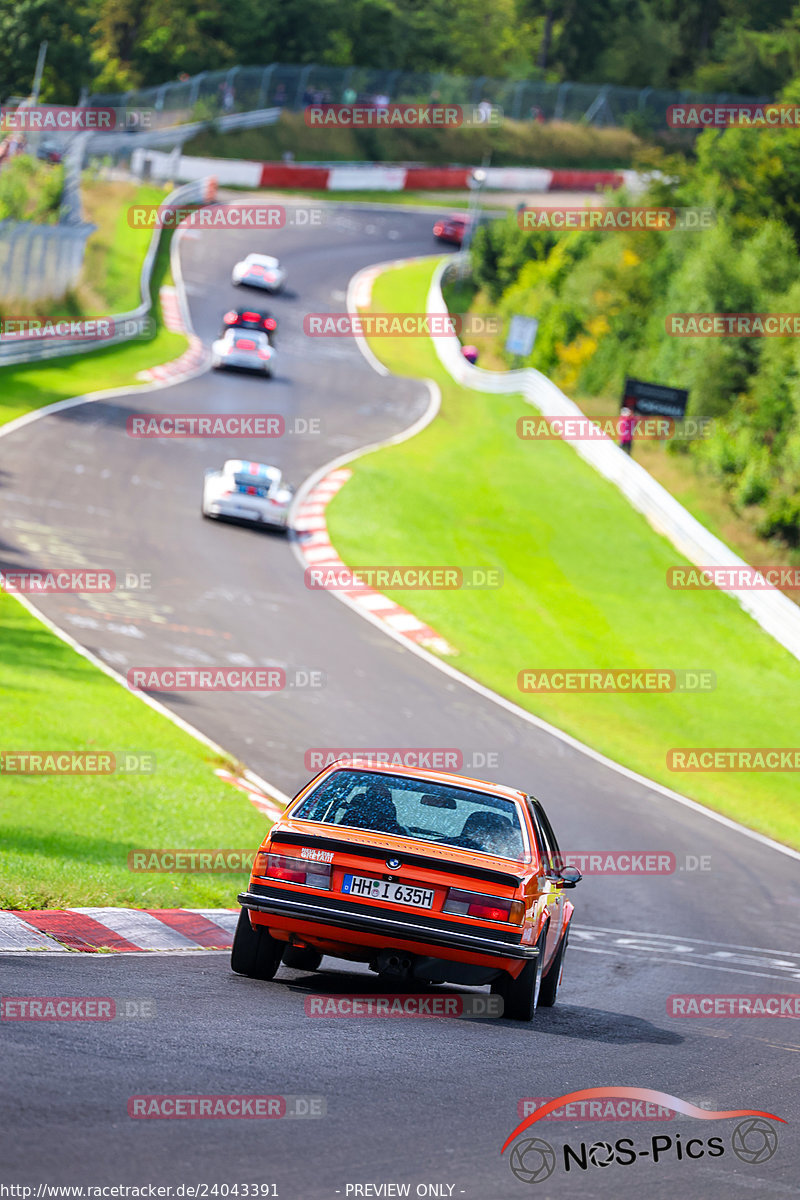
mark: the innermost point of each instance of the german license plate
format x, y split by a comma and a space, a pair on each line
379, 889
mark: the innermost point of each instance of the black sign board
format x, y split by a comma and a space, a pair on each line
653, 399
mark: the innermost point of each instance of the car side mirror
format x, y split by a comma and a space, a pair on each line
570, 876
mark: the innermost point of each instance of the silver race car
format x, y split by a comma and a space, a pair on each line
261, 271
249, 350
247, 491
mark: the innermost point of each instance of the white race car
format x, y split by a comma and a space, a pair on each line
249, 349
259, 270
247, 491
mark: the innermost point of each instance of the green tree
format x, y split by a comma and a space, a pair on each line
24, 24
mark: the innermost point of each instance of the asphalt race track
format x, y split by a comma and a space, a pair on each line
417, 1102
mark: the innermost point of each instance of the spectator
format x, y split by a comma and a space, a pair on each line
228, 96
349, 96
625, 425
381, 101
280, 95
536, 114
485, 111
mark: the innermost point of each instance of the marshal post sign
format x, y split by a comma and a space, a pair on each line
654, 399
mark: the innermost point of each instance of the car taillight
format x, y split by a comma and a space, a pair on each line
265, 354
292, 870
251, 316
229, 317
486, 908
270, 323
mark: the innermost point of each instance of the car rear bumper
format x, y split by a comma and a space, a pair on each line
243, 364
217, 508
380, 927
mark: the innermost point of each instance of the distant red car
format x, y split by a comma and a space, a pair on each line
452, 229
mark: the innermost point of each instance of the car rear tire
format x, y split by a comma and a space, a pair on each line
521, 995
551, 980
255, 952
302, 958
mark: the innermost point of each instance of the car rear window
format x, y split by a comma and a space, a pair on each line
431, 812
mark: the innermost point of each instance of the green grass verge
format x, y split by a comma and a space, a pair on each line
66, 839
584, 586
115, 251
29, 386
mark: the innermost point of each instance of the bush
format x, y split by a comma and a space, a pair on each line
782, 520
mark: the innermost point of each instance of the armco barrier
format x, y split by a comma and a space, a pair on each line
290, 176
21, 350
121, 145
378, 177
773, 611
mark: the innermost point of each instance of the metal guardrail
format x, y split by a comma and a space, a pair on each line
39, 261
126, 326
243, 89
123, 144
71, 208
773, 611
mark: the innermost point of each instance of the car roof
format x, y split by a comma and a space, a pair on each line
239, 466
265, 260
427, 776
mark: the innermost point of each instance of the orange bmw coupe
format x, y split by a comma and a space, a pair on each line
423, 875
